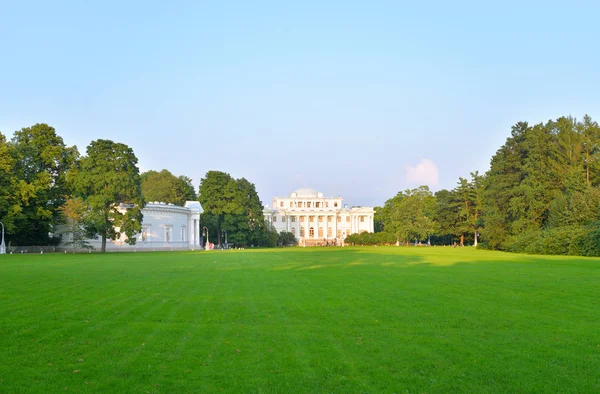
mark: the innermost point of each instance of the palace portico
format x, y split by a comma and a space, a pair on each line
315, 219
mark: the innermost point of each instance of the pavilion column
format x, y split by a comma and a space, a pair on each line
197, 230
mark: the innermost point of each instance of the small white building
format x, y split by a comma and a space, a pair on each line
316, 219
164, 227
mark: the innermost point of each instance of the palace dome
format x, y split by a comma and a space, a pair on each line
306, 192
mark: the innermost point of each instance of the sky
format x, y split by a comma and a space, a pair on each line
361, 99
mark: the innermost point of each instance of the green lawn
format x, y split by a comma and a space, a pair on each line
353, 320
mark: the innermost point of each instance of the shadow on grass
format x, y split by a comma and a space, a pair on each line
402, 257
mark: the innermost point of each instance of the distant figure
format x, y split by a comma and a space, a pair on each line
454, 245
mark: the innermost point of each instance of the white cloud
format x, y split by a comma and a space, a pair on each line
424, 173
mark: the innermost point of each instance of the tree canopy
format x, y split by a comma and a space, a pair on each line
232, 205
33, 176
165, 187
108, 180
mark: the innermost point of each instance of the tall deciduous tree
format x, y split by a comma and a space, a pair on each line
108, 180
219, 196
41, 163
409, 215
7, 184
236, 206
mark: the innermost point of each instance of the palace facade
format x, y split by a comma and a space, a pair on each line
315, 219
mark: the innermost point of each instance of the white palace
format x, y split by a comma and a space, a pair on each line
317, 220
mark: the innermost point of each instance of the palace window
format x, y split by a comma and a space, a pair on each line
320, 219
294, 231
329, 219
318, 204
311, 232
347, 219
291, 204
302, 231
339, 219
326, 204
293, 219
283, 218
301, 218
308, 204
168, 230
362, 219
320, 232
182, 234
329, 232
335, 204
274, 219
311, 219
281, 204
299, 204
339, 234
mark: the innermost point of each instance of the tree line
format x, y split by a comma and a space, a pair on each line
541, 195
45, 183
48, 188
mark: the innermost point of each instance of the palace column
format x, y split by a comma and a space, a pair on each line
319, 225
335, 226
307, 226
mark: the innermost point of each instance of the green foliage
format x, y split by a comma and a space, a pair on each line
409, 215
234, 206
34, 171
466, 203
165, 187
286, 238
379, 220
544, 178
364, 238
564, 240
108, 180
74, 212
589, 242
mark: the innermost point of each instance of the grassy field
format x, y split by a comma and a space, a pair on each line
353, 320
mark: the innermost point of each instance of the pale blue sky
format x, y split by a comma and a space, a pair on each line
341, 96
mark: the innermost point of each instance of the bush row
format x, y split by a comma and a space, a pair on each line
567, 240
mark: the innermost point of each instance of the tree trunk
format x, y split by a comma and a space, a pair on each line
103, 247
475, 243
588, 174
462, 240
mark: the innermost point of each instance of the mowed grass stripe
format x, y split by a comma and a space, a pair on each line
300, 320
